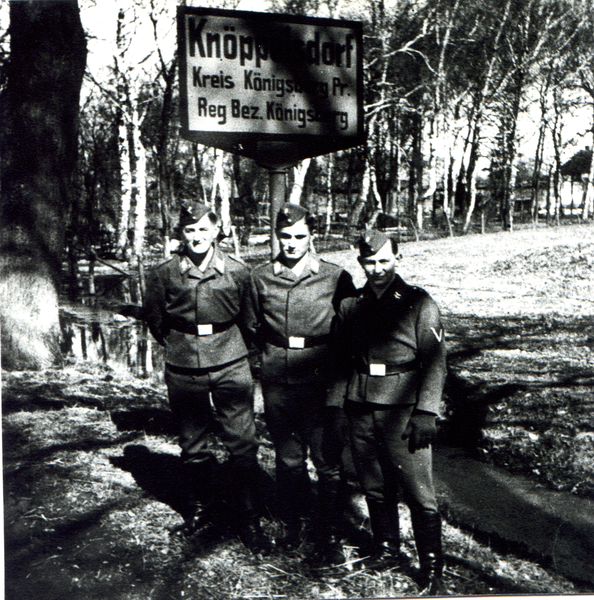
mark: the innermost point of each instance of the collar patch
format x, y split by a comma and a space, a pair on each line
185, 264
219, 263
277, 267
314, 265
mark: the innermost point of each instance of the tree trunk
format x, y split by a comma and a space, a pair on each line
510, 145
140, 187
536, 174
123, 146
512, 193
378, 201
200, 193
39, 112
471, 203
471, 176
416, 173
220, 183
588, 206
300, 171
330, 196
125, 187
557, 145
362, 197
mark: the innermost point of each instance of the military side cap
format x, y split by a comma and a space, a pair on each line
371, 242
192, 212
290, 213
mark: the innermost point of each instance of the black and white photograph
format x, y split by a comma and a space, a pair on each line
297, 299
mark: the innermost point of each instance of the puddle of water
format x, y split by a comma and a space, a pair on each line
101, 336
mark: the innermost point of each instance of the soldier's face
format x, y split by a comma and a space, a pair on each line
200, 236
380, 268
294, 241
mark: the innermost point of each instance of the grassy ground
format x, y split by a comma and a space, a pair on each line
91, 463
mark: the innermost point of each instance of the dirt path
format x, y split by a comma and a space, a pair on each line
557, 528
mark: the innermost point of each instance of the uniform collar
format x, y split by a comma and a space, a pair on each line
395, 290
216, 263
311, 268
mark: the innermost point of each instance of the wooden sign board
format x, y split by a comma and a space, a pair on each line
273, 87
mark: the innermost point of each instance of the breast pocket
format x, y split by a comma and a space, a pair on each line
219, 301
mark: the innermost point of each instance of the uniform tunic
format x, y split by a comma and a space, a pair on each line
399, 333
389, 358
179, 298
290, 306
201, 318
297, 310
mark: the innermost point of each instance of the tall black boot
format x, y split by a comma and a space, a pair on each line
385, 527
328, 550
248, 510
199, 480
427, 530
293, 491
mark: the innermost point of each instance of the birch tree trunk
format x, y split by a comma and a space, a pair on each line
140, 187
557, 141
125, 186
299, 171
124, 153
329, 196
378, 200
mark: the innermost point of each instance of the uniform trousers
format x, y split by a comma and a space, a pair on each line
382, 459
296, 417
231, 388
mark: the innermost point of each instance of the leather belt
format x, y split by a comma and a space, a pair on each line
276, 339
199, 371
383, 369
199, 329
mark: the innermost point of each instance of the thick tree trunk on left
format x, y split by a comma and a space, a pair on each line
39, 116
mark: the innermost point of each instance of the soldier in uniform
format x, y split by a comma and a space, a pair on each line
294, 299
197, 305
389, 368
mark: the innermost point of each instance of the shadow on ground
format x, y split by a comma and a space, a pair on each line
161, 476
468, 398
153, 421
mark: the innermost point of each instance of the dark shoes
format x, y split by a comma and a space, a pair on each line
430, 579
199, 522
255, 539
434, 587
328, 552
295, 534
387, 557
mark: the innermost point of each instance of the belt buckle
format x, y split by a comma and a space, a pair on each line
296, 342
377, 369
205, 329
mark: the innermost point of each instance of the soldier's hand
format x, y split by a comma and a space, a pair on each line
420, 431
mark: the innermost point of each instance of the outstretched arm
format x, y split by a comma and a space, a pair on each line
154, 307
